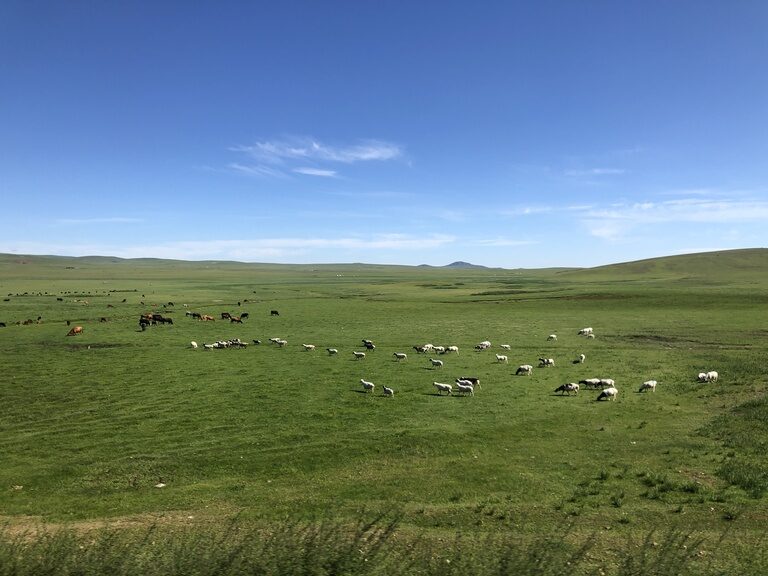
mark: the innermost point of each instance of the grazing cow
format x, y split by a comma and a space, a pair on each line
237, 319
274, 313
75, 330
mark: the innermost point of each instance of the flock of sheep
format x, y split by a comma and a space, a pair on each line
466, 385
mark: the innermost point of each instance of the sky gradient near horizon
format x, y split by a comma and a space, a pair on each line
510, 134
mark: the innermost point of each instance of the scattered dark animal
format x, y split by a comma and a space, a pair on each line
244, 315
68, 322
2, 324
225, 315
257, 341
170, 304
125, 300
274, 313
60, 299
102, 319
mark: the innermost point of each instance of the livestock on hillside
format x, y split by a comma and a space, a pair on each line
648, 385
568, 388
524, 370
442, 387
400, 356
75, 331
608, 394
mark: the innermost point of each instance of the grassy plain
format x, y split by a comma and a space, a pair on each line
90, 424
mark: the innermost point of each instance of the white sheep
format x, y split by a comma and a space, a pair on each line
193, 344
712, 376
585, 331
524, 369
568, 388
581, 358
442, 387
369, 386
607, 382
332, 351
436, 363
546, 362
388, 392
359, 355
505, 346
308, 347
502, 358
474, 381
439, 349
452, 349
648, 385
466, 388
608, 394
590, 382
400, 356
552, 337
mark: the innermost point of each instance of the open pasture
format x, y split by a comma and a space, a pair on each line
91, 424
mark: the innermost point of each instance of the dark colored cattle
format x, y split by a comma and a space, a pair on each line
274, 313
244, 315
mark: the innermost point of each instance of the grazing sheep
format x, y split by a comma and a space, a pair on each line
474, 380
590, 382
607, 382
502, 358
308, 347
466, 388
590, 335
608, 394
442, 387
585, 332
712, 376
332, 351
524, 369
368, 386
209, 346
420, 349
388, 392
648, 385
568, 388
484, 345
552, 337
359, 355
439, 349
580, 359
452, 349
257, 341
505, 346
193, 344
436, 363
400, 356
546, 362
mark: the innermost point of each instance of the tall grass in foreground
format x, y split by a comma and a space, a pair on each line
370, 547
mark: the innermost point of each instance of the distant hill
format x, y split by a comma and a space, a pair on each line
720, 265
461, 264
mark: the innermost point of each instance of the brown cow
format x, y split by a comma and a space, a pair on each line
206, 318
75, 330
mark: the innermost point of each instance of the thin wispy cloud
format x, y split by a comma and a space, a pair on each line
107, 220
315, 172
273, 157
262, 249
596, 172
618, 220
504, 242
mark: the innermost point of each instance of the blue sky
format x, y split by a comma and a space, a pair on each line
511, 134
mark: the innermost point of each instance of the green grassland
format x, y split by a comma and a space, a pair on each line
90, 424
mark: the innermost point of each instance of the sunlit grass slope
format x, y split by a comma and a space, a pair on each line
89, 425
